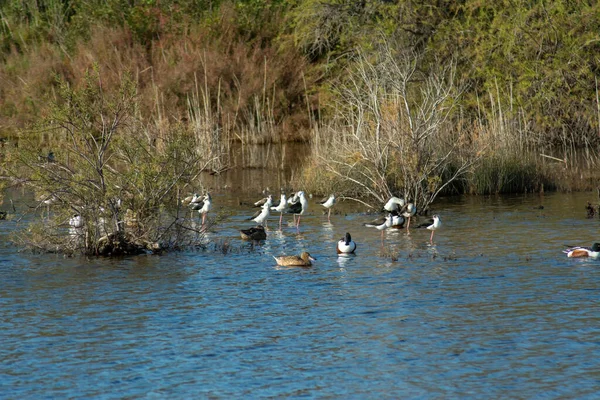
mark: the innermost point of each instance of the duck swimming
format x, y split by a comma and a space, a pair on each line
346, 245
580, 251
303, 260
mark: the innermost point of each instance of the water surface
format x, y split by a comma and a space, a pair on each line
492, 310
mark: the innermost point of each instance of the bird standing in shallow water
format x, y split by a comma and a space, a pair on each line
580, 251
265, 200
328, 203
203, 206
260, 217
281, 208
433, 225
394, 204
303, 260
408, 212
346, 245
381, 224
303, 207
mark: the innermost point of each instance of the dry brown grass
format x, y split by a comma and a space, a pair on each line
255, 89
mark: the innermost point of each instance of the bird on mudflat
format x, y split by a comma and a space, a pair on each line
346, 245
303, 260
328, 203
255, 233
580, 251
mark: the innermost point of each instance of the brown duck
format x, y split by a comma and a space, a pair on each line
256, 233
303, 260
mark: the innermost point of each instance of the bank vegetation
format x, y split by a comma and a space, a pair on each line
403, 97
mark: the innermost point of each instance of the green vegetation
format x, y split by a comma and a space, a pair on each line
397, 96
112, 187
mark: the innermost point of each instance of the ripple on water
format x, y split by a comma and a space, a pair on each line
492, 308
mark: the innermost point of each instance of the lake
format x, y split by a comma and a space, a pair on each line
493, 309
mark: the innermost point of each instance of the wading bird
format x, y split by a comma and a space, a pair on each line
408, 212
381, 224
260, 217
281, 208
202, 206
394, 204
433, 225
328, 203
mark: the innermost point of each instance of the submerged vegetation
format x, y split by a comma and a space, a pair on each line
395, 97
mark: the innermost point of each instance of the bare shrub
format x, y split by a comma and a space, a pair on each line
122, 183
390, 132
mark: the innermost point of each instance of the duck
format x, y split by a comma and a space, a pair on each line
303, 260
346, 245
580, 251
255, 233
328, 203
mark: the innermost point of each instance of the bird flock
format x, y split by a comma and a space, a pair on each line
398, 214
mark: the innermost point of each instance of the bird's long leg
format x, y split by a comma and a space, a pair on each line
431, 238
298, 223
329, 216
280, 219
408, 224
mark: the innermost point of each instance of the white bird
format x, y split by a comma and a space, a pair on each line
397, 221
261, 202
346, 245
328, 203
303, 206
76, 221
202, 205
380, 224
261, 216
281, 207
435, 225
394, 204
188, 200
580, 251
409, 211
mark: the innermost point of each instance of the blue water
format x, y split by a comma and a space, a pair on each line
492, 310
